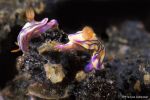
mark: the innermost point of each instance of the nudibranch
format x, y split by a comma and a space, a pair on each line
33, 29
88, 40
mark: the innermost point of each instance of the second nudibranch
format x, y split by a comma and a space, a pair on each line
88, 40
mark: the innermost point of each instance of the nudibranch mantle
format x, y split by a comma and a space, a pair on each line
33, 29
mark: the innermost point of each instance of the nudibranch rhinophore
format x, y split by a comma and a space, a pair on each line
88, 40
33, 29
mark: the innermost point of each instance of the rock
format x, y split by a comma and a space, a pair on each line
81, 75
124, 49
95, 88
147, 79
47, 46
137, 86
38, 90
7, 28
54, 72
20, 62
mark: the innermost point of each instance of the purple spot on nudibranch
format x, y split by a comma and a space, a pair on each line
89, 67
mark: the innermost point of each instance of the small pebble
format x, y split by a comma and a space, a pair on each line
81, 75
54, 72
147, 79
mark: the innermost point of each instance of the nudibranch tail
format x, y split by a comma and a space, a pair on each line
96, 61
15, 50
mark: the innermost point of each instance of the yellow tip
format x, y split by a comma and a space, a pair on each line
15, 50
30, 14
87, 32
